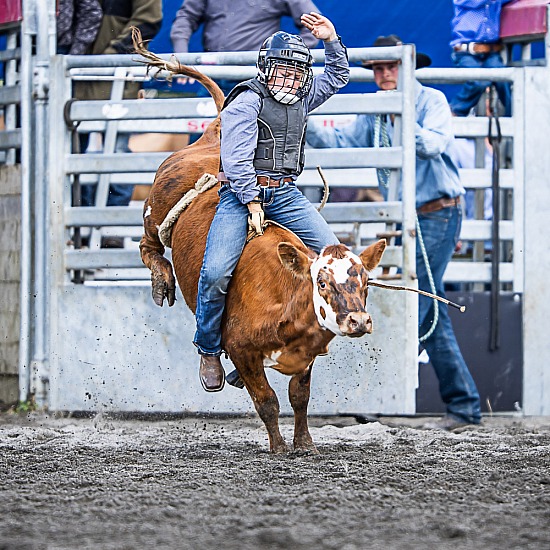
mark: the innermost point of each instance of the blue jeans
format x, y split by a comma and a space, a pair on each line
224, 245
119, 194
440, 232
470, 93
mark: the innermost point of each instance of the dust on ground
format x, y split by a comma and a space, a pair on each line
210, 483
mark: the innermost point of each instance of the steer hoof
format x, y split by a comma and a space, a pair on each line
160, 291
234, 379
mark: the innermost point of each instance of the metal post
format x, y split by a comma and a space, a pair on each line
40, 363
28, 29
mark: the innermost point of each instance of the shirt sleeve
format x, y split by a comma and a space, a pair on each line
88, 16
296, 9
334, 77
238, 144
357, 134
434, 128
187, 21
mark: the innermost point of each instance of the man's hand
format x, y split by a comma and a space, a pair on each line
256, 218
320, 27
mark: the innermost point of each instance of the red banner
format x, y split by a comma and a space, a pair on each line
524, 18
10, 11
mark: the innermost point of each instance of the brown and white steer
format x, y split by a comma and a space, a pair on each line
284, 304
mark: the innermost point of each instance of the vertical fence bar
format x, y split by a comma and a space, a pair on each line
28, 30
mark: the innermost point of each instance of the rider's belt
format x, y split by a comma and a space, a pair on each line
438, 204
266, 181
221, 178
263, 181
478, 47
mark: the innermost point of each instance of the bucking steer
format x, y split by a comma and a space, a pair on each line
285, 303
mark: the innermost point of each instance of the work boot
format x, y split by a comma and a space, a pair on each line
211, 373
447, 423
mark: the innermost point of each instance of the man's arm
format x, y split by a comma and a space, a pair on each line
434, 130
356, 134
87, 16
238, 144
147, 17
336, 74
187, 21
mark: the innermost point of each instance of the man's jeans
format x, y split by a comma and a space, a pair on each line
226, 239
469, 95
440, 231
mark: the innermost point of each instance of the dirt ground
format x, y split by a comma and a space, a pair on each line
201, 483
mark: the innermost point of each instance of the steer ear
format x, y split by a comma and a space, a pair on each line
372, 255
296, 261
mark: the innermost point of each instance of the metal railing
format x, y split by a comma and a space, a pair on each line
349, 168
10, 97
341, 166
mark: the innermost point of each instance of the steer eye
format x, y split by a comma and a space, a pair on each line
322, 284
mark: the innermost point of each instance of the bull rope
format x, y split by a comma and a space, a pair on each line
462, 309
204, 183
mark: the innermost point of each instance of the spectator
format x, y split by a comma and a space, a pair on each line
237, 25
438, 192
77, 24
475, 30
114, 37
262, 154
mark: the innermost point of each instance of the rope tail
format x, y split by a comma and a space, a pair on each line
326, 191
462, 309
175, 67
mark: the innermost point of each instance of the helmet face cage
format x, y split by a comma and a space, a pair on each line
284, 67
287, 81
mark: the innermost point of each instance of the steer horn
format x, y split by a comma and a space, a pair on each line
423, 292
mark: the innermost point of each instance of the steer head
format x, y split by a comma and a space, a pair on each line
339, 280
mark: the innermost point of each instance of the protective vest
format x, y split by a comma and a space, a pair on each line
281, 131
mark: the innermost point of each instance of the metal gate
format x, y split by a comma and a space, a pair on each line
111, 348
104, 345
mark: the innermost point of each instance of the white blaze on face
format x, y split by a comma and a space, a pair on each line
338, 270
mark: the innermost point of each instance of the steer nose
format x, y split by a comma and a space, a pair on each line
357, 324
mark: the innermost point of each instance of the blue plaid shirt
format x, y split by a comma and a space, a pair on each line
240, 123
476, 21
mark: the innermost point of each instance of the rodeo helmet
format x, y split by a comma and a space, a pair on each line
280, 52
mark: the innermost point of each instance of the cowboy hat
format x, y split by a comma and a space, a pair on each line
422, 60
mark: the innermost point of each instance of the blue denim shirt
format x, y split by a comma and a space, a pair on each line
240, 123
476, 21
436, 173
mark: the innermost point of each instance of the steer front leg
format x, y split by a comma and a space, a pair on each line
298, 393
266, 403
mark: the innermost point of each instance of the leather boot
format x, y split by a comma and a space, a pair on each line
211, 373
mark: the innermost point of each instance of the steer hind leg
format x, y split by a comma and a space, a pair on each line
266, 403
298, 393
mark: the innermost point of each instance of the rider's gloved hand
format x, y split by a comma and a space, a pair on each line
256, 218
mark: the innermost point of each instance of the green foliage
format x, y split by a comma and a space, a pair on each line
24, 407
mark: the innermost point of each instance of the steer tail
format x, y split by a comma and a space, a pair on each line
175, 67
176, 176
